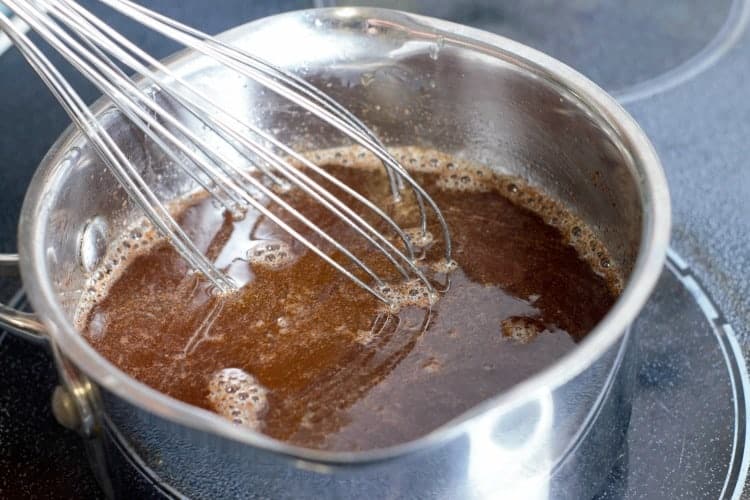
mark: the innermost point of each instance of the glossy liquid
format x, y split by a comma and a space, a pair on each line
304, 355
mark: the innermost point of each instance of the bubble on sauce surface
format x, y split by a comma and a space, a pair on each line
444, 266
238, 396
453, 179
418, 238
432, 365
409, 293
273, 254
520, 329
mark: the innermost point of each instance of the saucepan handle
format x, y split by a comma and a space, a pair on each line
72, 401
24, 324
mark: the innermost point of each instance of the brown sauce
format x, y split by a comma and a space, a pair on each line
304, 355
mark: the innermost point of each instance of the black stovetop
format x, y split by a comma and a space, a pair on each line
684, 78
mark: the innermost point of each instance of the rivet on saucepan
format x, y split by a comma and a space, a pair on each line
71, 157
73, 153
93, 243
51, 256
64, 409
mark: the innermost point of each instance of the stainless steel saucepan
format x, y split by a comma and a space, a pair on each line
416, 81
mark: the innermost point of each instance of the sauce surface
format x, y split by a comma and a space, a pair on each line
304, 355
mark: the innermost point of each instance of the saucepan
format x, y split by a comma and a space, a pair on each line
416, 81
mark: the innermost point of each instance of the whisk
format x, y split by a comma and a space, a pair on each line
98, 52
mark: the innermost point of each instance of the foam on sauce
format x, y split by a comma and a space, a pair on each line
237, 396
304, 355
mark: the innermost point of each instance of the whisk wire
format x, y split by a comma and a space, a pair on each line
91, 52
141, 118
294, 175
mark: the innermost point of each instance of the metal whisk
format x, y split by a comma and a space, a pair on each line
97, 51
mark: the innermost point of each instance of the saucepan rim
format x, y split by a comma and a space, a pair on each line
648, 266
